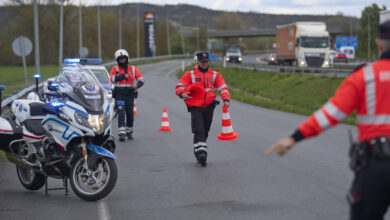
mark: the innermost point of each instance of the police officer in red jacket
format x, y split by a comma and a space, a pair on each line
202, 114
366, 90
126, 79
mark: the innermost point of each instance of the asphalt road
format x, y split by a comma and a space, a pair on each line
255, 58
159, 179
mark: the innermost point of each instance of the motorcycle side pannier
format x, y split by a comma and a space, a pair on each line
9, 131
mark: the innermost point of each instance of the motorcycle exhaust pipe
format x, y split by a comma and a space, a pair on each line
13, 159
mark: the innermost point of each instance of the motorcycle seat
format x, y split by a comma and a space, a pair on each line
36, 109
34, 126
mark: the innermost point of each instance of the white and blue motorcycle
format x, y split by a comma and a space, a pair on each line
67, 136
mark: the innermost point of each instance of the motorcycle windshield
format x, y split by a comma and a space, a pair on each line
84, 88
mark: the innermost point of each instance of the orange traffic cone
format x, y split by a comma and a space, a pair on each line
165, 122
227, 133
135, 108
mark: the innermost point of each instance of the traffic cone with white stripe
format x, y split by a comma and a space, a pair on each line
227, 133
135, 108
165, 121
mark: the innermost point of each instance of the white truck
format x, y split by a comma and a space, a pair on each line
303, 44
384, 16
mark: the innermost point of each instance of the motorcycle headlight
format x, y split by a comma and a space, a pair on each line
96, 122
82, 119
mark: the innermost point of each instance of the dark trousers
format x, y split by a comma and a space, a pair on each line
370, 194
126, 112
201, 119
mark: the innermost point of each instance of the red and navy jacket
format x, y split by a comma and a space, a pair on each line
366, 90
210, 80
122, 84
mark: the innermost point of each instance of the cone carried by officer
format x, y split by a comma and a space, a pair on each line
196, 87
227, 133
165, 121
135, 107
366, 91
127, 80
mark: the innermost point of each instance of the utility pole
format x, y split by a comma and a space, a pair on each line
120, 26
182, 38
168, 38
137, 31
369, 36
61, 33
80, 29
99, 33
197, 38
36, 38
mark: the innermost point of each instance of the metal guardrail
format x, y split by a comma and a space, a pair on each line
5, 104
331, 72
141, 59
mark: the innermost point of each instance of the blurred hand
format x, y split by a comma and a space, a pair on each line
282, 146
227, 104
186, 96
135, 85
127, 76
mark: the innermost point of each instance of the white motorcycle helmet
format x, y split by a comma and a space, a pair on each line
120, 53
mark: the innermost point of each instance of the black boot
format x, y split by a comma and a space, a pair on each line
122, 137
201, 157
130, 135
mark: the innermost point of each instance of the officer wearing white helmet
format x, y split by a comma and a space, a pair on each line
126, 79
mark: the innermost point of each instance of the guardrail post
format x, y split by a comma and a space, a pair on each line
1, 96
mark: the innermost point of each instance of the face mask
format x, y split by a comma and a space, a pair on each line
203, 70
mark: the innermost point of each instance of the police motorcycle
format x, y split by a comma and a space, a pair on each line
66, 136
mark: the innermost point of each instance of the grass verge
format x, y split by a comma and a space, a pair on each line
2, 155
301, 94
13, 76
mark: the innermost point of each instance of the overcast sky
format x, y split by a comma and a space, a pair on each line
347, 7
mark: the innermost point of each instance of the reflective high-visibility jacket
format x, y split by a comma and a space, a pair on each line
123, 85
367, 90
210, 80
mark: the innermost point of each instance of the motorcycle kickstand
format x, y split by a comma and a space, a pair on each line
64, 182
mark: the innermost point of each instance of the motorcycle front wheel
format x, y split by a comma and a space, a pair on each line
96, 183
30, 179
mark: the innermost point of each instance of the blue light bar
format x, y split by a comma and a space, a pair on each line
57, 104
37, 75
92, 61
2, 87
72, 60
83, 61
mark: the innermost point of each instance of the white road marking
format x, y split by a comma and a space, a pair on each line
103, 210
176, 70
259, 59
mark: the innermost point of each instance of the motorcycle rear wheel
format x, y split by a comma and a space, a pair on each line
30, 179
